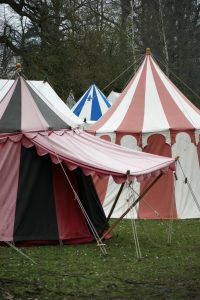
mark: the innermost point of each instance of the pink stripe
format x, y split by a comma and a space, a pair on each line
175, 117
9, 175
6, 99
133, 120
31, 118
101, 184
159, 202
113, 108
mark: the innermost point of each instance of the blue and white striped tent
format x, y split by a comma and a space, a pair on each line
92, 105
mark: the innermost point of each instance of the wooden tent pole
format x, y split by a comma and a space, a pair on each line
132, 205
116, 200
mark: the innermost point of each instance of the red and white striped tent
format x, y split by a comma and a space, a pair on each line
152, 115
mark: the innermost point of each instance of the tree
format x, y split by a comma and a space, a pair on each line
75, 42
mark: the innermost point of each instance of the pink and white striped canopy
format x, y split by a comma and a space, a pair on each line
149, 103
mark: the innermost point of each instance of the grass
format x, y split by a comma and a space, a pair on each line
82, 272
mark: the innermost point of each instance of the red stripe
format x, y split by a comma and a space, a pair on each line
160, 197
175, 117
113, 108
101, 184
71, 222
133, 120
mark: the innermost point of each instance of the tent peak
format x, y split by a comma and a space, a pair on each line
148, 51
18, 68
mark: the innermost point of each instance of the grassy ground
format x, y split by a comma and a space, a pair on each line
82, 272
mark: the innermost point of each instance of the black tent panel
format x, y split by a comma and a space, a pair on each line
35, 217
90, 200
11, 119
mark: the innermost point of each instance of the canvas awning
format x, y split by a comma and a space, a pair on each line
80, 149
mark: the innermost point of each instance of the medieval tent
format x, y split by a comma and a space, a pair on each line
112, 97
152, 115
92, 105
45, 166
70, 100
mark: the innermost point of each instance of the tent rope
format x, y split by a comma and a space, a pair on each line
18, 250
186, 181
131, 198
94, 232
7, 80
170, 224
133, 64
191, 90
146, 203
4, 84
186, 112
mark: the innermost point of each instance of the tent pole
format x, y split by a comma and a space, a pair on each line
115, 202
132, 205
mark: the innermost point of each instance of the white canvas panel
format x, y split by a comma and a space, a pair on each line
154, 116
185, 204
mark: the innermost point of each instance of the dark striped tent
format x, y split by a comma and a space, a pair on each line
37, 203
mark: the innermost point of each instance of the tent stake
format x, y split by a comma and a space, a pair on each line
132, 205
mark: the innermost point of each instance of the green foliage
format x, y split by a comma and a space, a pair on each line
77, 42
82, 272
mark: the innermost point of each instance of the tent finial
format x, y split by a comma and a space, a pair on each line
148, 51
18, 68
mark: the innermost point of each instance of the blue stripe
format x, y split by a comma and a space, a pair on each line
96, 110
108, 104
81, 103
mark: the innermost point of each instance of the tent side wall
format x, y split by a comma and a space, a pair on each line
37, 202
169, 198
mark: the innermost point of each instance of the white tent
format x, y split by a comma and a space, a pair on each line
112, 97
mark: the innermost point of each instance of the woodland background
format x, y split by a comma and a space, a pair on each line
73, 43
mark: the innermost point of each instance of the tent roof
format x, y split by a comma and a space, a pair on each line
149, 103
47, 94
92, 105
80, 149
